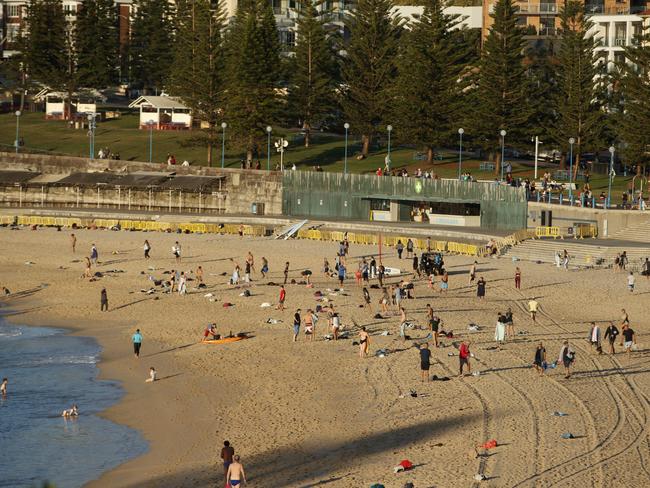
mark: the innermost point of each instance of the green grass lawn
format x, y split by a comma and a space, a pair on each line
327, 150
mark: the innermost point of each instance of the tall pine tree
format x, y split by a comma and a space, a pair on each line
48, 48
369, 67
633, 118
577, 105
199, 59
501, 89
151, 44
314, 74
428, 89
252, 74
97, 43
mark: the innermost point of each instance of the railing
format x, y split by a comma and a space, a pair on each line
538, 8
619, 42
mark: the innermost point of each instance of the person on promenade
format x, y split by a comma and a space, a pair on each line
611, 333
567, 357
153, 375
103, 301
137, 342
94, 255
364, 343
235, 474
286, 272
73, 242
463, 357
283, 297
147, 249
3, 387
227, 453
532, 308
540, 359
480, 288
517, 278
296, 325
629, 339
425, 361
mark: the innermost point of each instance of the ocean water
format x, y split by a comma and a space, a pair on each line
48, 371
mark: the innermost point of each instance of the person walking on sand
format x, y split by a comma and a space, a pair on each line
540, 359
500, 330
472, 272
103, 301
265, 267
153, 375
625, 318
176, 251
251, 261
199, 275
336, 324
367, 299
283, 296
73, 242
235, 474
444, 282
147, 249
137, 342
402, 323
286, 272
630, 282
182, 284
628, 340
611, 333
480, 288
3, 387
88, 272
296, 325
517, 278
594, 338
463, 357
565, 259
364, 343
425, 361
409, 248
532, 308
94, 255
510, 324
567, 356
227, 453
341, 274
400, 248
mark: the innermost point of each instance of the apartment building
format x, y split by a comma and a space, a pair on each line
616, 23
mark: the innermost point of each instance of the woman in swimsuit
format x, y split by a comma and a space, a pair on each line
364, 342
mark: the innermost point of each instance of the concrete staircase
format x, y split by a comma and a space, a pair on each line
637, 233
582, 254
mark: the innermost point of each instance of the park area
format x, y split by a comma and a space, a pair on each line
121, 136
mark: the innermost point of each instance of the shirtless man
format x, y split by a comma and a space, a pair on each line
402, 323
364, 342
251, 261
199, 274
73, 242
235, 473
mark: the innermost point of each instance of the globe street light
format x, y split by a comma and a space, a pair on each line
150, 124
16, 142
461, 131
389, 128
571, 143
345, 161
268, 147
611, 174
503, 151
223, 142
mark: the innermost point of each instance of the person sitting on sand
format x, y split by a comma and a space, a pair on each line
235, 474
71, 412
152, 375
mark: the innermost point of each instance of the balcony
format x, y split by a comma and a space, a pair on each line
619, 42
601, 9
543, 31
538, 8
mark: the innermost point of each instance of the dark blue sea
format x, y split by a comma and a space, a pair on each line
48, 371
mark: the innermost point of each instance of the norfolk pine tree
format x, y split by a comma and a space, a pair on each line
501, 90
369, 67
252, 74
97, 43
197, 71
633, 120
151, 45
428, 88
313, 84
577, 106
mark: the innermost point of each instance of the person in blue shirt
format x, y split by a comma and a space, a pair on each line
137, 342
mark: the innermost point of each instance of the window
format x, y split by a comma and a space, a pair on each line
620, 29
288, 38
12, 32
376, 204
13, 10
70, 10
604, 34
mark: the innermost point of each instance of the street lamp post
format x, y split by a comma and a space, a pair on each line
91, 134
150, 124
268, 147
345, 160
571, 143
537, 143
503, 150
223, 142
461, 131
388, 161
16, 142
280, 145
611, 174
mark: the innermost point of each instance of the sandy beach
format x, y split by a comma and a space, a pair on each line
309, 414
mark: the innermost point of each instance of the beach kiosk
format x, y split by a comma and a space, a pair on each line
163, 113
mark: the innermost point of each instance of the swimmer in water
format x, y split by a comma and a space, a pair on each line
71, 412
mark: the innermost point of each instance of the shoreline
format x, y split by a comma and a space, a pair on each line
112, 365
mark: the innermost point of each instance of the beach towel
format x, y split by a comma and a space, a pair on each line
492, 443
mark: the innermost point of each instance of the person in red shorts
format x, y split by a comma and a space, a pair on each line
463, 356
283, 296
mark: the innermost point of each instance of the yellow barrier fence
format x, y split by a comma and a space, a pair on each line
7, 219
553, 232
585, 230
